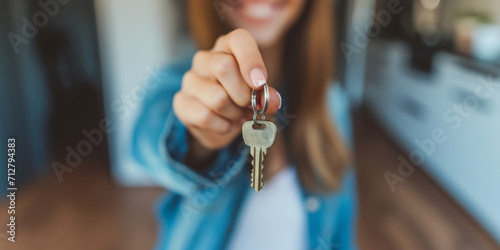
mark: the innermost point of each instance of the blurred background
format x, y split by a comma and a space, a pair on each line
423, 77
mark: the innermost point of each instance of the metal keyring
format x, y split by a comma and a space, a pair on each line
256, 111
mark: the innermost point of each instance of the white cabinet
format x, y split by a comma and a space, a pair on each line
461, 98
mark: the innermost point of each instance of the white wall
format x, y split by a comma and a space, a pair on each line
135, 38
359, 18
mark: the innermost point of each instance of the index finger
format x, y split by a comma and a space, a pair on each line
243, 46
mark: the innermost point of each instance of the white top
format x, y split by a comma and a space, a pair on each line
273, 218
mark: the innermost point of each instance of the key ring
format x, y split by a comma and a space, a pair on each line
262, 112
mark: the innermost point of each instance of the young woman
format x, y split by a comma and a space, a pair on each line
189, 133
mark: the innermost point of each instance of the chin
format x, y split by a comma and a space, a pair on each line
268, 21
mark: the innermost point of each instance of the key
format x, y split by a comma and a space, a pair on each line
259, 137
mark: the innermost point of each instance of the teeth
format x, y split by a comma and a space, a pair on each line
259, 10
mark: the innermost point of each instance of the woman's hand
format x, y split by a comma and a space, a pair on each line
216, 92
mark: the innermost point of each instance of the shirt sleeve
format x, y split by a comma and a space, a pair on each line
339, 107
160, 145
346, 237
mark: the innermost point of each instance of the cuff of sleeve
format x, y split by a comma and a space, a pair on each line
173, 147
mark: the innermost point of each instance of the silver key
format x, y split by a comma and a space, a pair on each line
259, 137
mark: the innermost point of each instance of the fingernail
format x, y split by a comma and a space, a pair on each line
257, 77
281, 101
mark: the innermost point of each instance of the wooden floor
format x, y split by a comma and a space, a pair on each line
418, 215
88, 211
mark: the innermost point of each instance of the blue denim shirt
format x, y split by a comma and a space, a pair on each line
201, 208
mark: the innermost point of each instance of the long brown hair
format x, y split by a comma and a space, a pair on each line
312, 139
